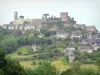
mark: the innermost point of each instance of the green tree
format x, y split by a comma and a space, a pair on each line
9, 67
2, 58
1, 72
13, 68
45, 68
10, 43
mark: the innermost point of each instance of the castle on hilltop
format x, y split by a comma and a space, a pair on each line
20, 23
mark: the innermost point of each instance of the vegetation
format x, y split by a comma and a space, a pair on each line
32, 52
9, 67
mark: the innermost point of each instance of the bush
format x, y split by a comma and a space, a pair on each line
1, 72
33, 63
65, 60
26, 54
19, 53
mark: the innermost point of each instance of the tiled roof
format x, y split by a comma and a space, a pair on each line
91, 28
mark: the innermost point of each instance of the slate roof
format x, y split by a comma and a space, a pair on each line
71, 45
93, 40
97, 35
85, 47
62, 32
81, 25
97, 45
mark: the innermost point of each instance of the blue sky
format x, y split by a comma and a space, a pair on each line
84, 11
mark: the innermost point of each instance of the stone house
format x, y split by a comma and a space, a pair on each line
76, 34
84, 41
96, 46
69, 52
61, 34
91, 28
71, 46
86, 48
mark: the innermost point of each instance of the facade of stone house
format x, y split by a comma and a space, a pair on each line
84, 41
91, 28
71, 58
62, 34
76, 34
96, 46
69, 54
86, 48
71, 46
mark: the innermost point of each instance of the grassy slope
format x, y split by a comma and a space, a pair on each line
23, 49
59, 64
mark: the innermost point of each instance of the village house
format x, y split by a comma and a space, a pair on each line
62, 34
97, 35
91, 28
82, 26
25, 24
70, 55
93, 41
76, 34
71, 46
96, 46
69, 52
86, 48
53, 29
84, 41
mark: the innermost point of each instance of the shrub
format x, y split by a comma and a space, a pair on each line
19, 53
33, 63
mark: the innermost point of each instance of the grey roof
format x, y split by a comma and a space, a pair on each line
71, 45
85, 47
62, 32
97, 45
93, 40
97, 35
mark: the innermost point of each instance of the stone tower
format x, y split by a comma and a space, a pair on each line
15, 15
64, 16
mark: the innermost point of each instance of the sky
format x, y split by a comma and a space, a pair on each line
84, 11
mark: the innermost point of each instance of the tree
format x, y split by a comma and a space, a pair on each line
46, 15
1, 72
30, 39
45, 68
2, 58
9, 67
23, 40
21, 17
10, 43
13, 68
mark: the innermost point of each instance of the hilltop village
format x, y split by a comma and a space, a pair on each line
62, 35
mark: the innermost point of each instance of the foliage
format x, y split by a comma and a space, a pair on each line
13, 68
33, 63
65, 60
19, 53
76, 70
9, 67
45, 68
10, 43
